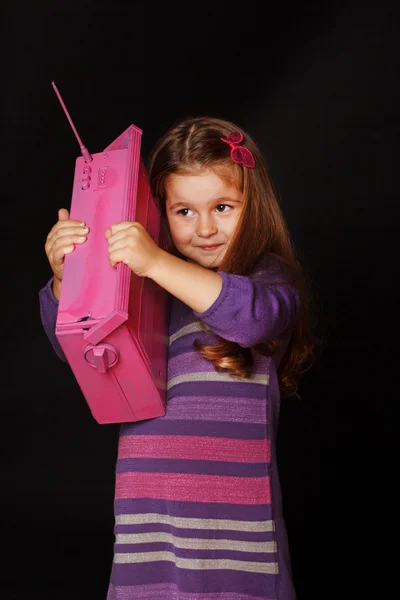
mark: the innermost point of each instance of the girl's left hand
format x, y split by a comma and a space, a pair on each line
130, 244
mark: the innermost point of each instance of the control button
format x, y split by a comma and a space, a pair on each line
101, 357
87, 170
86, 178
85, 185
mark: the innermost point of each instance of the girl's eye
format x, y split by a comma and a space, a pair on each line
184, 212
223, 207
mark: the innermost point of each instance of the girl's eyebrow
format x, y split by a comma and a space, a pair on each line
215, 201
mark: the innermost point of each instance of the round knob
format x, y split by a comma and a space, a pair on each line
87, 169
85, 185
101, 357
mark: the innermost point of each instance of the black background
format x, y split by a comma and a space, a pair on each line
318, 88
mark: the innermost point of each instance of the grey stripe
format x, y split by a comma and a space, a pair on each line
215, 376
191, 328
187, 523
198, 564
194, 543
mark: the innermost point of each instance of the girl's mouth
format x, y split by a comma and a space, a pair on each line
210, 248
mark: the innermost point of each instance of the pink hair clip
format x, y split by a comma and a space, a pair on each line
239, 154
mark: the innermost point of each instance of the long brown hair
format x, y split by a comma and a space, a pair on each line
194, 144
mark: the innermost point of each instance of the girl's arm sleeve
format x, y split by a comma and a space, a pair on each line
48, 314
249, 310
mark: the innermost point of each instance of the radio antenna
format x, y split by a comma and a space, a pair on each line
84, 151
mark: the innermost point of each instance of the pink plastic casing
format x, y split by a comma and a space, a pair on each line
112, 324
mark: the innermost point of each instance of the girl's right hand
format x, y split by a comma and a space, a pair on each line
61, 241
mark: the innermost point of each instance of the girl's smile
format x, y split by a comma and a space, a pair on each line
210, 248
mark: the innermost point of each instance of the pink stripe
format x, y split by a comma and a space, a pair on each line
161, 591
194, 488
194, 448
204, 408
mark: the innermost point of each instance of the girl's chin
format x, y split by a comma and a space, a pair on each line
208, 264
208, 261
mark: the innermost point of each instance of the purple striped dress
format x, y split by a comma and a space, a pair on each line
198, 512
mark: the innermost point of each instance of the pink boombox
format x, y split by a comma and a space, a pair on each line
111, 324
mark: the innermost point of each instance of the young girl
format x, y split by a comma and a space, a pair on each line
197, 499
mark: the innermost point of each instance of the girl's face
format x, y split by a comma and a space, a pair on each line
202, 211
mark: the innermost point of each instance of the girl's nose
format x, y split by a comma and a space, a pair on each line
206, 227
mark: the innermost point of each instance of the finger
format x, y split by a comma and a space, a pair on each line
123, 234
62, 225
122, 225
72, 230
119, 244
62, 228
57, 257
63, 214
63, 246
65, 240
129, 230
118, 256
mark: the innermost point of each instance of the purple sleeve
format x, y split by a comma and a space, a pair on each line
48, 314
254, 309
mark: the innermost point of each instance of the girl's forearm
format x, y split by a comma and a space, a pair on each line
194, 285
